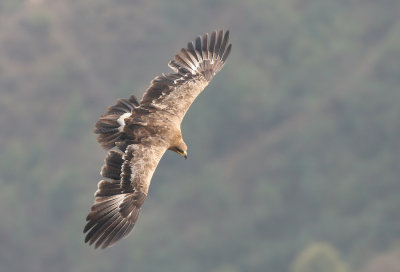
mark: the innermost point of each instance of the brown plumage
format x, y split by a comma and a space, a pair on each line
142, 132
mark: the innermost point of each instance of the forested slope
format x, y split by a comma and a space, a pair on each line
293, 148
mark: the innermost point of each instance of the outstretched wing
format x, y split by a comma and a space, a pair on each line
118, 200
194, 68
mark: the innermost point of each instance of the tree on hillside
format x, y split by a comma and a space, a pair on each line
319, 257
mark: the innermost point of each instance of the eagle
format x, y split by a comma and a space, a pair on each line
137, 134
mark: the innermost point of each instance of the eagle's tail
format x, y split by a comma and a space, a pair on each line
115, 211
206, 56
110, 125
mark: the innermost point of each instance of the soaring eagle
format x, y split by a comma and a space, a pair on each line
139, 133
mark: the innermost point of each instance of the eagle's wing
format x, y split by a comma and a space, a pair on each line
194, 68
110, 125
118, 200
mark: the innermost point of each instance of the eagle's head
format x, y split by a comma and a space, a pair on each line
179, 147
181, 150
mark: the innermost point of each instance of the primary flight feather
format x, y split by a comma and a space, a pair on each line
141, 132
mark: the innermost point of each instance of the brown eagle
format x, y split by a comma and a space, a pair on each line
139, 133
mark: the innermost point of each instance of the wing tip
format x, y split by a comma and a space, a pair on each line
205, 55
113, 219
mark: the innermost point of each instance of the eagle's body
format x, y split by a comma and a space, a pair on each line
141, 132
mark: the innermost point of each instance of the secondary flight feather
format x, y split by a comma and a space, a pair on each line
139, 133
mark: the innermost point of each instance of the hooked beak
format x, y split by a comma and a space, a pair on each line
182, 153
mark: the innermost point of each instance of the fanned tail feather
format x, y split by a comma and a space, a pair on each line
110, 125
206, 56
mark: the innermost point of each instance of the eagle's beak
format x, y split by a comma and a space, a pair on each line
185, 155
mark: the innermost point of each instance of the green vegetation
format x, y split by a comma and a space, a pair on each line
319, 257
295, 141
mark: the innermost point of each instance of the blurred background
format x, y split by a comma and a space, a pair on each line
294, 148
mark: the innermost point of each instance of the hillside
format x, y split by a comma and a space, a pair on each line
294, 144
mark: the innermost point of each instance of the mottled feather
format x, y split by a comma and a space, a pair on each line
194, 68
140, 133
118, 202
